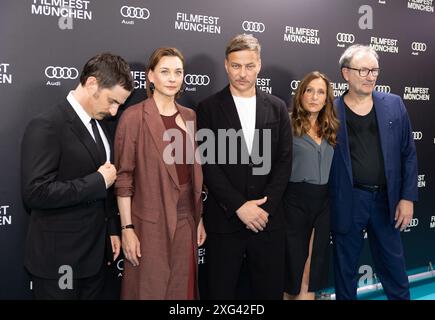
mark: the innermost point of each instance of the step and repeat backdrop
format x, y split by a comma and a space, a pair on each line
44, 44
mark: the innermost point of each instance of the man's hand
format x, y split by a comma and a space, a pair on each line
252, 215
108, 172
201, 234
116, 247
404, 213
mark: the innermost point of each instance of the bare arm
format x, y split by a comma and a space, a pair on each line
130, 241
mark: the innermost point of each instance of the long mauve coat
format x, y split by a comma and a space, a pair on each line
154, 188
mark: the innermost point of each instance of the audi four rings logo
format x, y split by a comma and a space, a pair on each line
345, 37
383, 88
413, 223
135, 12
418, 135
61, 72
120, 264
419, 46
253, 26
196, 79
294, 84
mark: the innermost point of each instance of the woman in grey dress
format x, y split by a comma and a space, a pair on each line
315, 128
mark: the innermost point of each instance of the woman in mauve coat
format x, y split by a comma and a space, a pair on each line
158, 188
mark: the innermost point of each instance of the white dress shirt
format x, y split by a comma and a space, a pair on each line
86, 119
246, 108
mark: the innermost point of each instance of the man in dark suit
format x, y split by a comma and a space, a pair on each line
246, 175
373, 178
67, 176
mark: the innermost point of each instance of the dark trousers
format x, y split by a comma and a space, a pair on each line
265, 257
370, 213
82, 289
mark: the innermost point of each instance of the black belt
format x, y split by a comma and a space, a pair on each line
370, 188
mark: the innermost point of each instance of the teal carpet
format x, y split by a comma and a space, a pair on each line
420, 290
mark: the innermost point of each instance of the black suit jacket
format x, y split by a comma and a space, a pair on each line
71, 212
231, 185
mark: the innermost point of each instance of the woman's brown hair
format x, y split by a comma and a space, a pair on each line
327, 121
155, 58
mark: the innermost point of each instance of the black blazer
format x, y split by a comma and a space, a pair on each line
231, 185
71, 212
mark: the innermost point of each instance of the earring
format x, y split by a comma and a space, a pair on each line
152, 87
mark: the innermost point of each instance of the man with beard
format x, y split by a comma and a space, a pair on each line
243, 214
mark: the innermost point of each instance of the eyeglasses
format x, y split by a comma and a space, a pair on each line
364, 72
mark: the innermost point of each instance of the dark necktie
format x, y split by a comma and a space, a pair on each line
99, 142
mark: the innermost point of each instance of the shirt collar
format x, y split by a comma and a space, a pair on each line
83, 115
